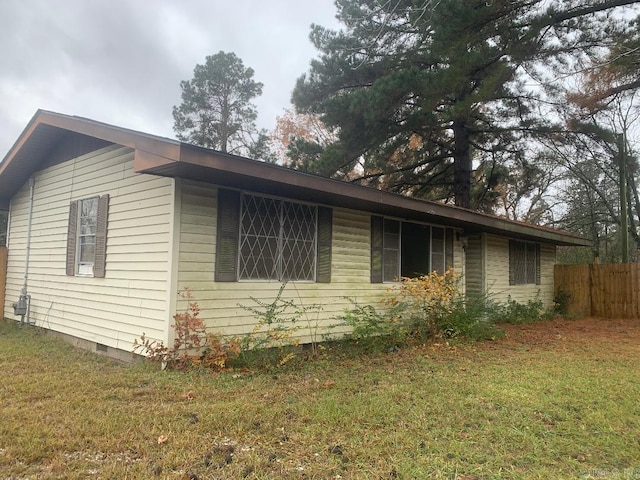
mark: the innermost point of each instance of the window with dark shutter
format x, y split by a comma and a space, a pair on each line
87, 237
524, 263
408, 249
265, 238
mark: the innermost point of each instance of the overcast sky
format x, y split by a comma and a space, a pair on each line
121, 61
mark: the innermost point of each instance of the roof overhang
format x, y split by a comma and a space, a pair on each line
46, 130
161, 156
237, 172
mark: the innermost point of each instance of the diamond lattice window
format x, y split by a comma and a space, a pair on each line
277, 240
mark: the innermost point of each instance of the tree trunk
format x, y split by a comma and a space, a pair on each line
462, 164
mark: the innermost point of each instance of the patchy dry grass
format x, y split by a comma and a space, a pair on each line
557, 399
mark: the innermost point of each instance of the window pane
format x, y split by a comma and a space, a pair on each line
391, 250
298, 241
258, 258
519, 262
531, 263
415, 249
259, 232
89, 207
88, 212
87, 253
88, 226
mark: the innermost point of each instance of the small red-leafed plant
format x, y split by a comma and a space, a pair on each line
193, 345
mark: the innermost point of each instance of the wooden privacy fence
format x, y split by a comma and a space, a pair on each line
607, 290
3, 278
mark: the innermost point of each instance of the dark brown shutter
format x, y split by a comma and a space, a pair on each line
72, 231
537, 264
376, 248
512, 262
323, 260
100, 259
227, 236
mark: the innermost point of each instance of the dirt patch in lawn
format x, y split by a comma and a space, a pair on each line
611, 333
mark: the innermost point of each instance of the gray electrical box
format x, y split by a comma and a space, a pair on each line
20, 308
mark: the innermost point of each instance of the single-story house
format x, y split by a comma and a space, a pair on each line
107, 225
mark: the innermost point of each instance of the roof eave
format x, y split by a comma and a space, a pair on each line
239, 172
167, 157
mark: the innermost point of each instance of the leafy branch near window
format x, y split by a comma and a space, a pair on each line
273, 338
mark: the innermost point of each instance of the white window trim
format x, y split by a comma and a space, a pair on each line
85, 269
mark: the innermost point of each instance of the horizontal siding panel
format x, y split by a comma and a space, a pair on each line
142, 185
188, 256
192, 247
198, 238
141, 238
137, 248
157, 216
133, 206
138, 233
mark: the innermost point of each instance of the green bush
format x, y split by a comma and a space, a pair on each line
371, 329
423, 308
561, 302
472, 318
520, 313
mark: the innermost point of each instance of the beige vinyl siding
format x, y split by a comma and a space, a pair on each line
220, 301
132, 298
497, 273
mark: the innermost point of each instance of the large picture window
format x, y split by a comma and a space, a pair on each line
265, 238
407, 249
277, 239
524, 263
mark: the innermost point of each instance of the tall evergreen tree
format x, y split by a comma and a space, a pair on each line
217, 110
419, 90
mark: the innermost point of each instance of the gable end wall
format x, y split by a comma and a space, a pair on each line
132, 298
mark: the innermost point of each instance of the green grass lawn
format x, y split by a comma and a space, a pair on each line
559, 399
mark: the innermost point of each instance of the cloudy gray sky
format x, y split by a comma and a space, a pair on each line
121, 61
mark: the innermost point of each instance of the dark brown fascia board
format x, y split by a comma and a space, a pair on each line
377, 199
161, 147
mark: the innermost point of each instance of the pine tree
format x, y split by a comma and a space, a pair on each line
216, 110
420, 90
